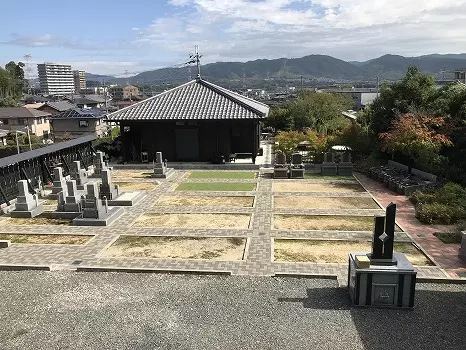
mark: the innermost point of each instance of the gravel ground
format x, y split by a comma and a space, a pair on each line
69, 310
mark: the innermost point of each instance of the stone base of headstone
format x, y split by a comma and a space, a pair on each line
463, 245
109, 192
4, 243
28, 213
280, 173
329, 169
162, 174
112, 215
297, 173
66, 214
373, 285
345, 169
126, 199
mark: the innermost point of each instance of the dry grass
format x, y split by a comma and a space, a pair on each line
42, 219
46, 239
324, 222
306, 202
206, 201
178, 248
136, 186
293, 186
128, 174
201, 220
301, 250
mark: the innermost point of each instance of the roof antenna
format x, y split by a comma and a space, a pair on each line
196, 58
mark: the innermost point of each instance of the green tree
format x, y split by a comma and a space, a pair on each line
12, 83
412, 94
279, 119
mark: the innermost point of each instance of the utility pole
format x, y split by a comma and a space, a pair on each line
29, 137
17, 143
377, 87
196, 58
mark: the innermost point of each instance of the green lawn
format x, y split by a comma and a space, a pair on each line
322, 177
216, 186
222, 175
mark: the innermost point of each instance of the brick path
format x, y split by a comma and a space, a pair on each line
445, 255
260, 235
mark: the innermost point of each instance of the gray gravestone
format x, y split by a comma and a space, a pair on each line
78, 174
99, 163
59, 182
27, 205
92, 205
107, 189
297, 166
60, 201
160, 168
329, 167
280, 159
72, 201
345, 167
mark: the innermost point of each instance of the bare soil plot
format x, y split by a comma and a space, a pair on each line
46, 239
302, 250
136, 186
178, 248
206, 201
131, 174
324, 222
201, 220
305, 202
215, 186
293, 186
43, 219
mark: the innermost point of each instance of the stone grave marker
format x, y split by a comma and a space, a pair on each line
329, 167
107, 188
345, 167
27, 205
160, 170
78, 174
59, 182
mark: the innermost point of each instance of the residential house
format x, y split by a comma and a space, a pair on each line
78, 122
361, 97
22, 118
55, 108
124, 92
87, 101
196, 121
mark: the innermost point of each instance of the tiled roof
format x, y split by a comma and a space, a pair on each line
60, 106
195, 100
21, 112
3, 133
78, 113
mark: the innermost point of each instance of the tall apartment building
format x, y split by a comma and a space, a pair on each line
79, 77
55, 79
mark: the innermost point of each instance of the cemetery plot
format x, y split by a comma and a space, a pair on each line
221, 175
136, 186
214, 248
305, 250
128, 174
206, 201
175, 220
293, 186
308, 202
46, 239
324, 222
42, 219
216, 186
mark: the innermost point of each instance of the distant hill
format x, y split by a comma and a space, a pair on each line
312, 67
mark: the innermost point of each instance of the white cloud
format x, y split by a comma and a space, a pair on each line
349, 29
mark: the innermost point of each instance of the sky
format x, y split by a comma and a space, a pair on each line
113, 36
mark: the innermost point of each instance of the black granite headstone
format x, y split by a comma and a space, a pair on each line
384, 234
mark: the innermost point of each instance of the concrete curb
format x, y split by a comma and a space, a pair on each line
13, 267
151, 270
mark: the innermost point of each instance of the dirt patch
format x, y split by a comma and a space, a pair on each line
324, 222
126, 174
178, 248
316, 187
215, 186
222, 175
305, 202
176, 220
42, 219
46, 239
136, 186
205, 201
302, 250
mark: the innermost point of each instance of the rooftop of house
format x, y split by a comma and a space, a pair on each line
59, 106
21, 112
195, 100
79, 113
4, 133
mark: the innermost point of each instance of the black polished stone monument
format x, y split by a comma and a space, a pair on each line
382, 278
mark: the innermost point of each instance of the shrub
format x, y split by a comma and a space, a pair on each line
445, 205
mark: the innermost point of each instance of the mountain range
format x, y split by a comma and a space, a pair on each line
312, 67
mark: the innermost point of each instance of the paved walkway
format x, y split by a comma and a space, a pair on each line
444, 255
260, 234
